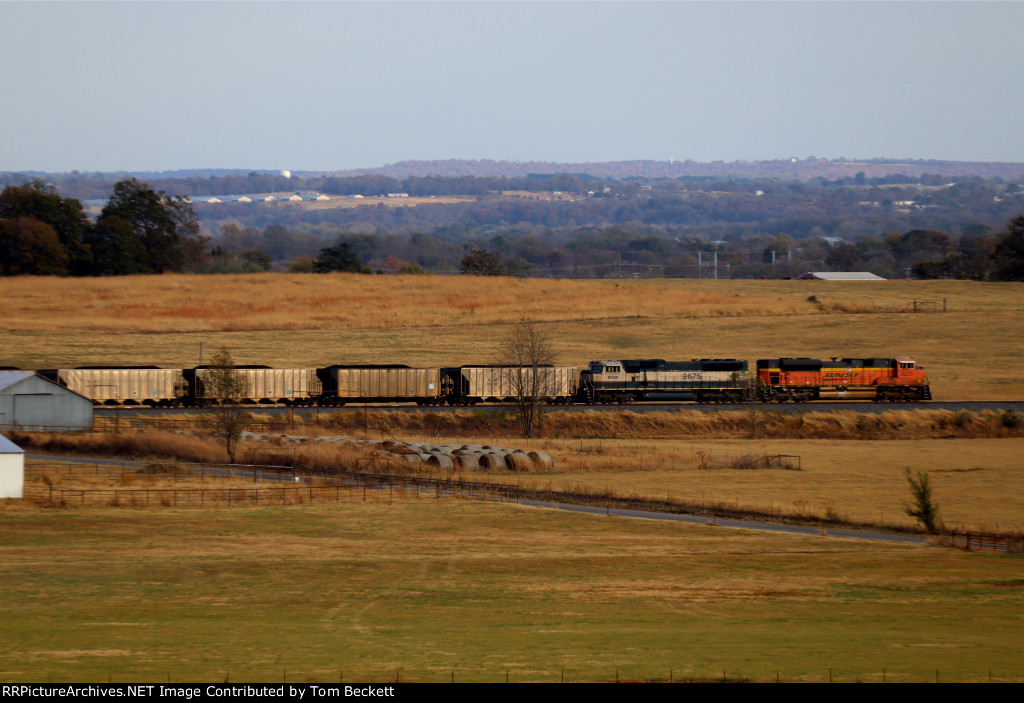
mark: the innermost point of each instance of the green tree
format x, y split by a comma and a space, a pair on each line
340, 257
165, 226
480, 262
1008, 257
117, 249
923, 506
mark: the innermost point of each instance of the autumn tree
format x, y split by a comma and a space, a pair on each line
527, 356
59, 247
222, 387
31, 247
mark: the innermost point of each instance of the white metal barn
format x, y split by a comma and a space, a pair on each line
30, 402
839, 276
12, 469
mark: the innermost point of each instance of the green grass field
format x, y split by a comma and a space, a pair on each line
430, 589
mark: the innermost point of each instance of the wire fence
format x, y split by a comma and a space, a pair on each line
181, 497
323, 486
337, 486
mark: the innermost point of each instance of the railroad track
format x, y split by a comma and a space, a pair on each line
817, 406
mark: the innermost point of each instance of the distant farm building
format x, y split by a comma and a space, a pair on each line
12, 469
839, 276
30, 402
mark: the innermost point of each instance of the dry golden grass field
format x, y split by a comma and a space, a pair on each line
428, 590
973, 351
978, 483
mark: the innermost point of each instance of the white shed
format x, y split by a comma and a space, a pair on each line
12, 469
30, 402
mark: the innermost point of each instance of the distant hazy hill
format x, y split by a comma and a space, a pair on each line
800, 169
787, 169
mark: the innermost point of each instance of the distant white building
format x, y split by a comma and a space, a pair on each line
839, 276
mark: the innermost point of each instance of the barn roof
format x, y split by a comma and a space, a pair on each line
9, 378
842, 276
9, 447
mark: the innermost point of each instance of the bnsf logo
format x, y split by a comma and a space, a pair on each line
838, 374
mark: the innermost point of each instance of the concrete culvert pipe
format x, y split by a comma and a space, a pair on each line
441, 461
492, 462
467, 462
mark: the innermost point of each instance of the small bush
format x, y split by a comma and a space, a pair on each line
924, 507
1012, 419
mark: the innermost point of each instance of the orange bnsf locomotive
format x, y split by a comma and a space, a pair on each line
881, 380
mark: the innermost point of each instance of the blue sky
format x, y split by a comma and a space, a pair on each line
328, 85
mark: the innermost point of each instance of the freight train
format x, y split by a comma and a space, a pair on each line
621, 381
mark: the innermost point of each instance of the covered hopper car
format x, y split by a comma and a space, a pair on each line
498, 384
260, 384
383, 384
136, 385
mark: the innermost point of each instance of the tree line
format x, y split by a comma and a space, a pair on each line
142, 230
139, 230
